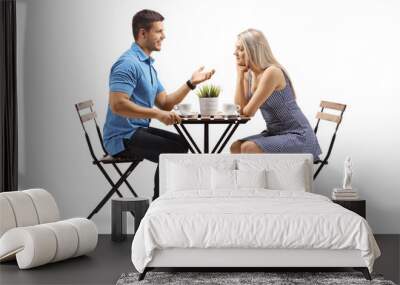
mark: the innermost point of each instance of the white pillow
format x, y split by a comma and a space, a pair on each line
186, 175
223, 179
251, 178
291, 178
183, 178
226, 179
282, 174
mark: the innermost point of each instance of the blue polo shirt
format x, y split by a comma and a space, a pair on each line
135, 75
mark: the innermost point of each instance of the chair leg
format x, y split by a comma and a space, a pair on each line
364, 271
108, 178
126, 181
113, 190
318, 170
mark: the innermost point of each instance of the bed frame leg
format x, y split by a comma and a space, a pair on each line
143, 274
364, 271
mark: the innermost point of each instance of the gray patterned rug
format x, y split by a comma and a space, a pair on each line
243, 278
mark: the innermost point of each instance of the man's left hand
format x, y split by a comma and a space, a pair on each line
199, 75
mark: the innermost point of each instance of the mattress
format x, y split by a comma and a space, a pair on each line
250, 219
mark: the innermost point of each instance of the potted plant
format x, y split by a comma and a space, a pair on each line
208, 98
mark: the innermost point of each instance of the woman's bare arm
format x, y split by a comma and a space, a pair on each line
241, 90
269, 81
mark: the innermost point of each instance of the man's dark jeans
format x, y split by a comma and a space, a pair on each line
149, 143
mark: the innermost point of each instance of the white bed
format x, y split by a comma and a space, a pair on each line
215, 211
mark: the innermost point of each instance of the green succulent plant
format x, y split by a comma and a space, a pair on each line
208, 91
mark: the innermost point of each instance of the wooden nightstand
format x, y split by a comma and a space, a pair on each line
357, 206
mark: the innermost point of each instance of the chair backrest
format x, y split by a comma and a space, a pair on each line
27, 208
329, 117
87, 114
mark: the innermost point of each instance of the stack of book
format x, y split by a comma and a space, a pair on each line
344, 194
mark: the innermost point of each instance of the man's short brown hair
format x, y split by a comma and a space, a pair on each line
143, 20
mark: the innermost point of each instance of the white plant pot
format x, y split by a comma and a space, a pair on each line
208, 106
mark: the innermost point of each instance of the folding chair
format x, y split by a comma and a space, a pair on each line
331, 118
106, 159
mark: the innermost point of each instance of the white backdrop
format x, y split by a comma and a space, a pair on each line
344, 51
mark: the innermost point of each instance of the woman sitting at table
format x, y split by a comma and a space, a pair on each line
262, 83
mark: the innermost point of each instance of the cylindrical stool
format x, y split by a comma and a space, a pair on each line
119, 207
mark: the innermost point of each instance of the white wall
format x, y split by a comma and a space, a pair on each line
344, 51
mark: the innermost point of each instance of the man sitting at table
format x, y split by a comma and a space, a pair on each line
135, 89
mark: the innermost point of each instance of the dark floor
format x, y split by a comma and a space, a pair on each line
110, 260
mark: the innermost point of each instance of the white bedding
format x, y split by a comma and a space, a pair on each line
252, 218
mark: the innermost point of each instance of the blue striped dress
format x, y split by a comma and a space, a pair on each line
287, 129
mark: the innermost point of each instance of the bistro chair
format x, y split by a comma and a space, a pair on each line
337, 119
90, 116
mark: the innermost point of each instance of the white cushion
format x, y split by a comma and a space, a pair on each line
34, 244
67, 240
27, 208
7, 220
223, 179
23, 208
87, 233
172, 178
186, 174
282, 174
37, 245
251, 178
187, 178
231, 180
45, 205
288, 177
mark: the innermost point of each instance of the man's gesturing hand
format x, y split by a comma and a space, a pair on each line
199, 75
168, 118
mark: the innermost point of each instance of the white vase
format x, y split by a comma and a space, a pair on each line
208, 106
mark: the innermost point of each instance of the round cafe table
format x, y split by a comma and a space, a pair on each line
232, 122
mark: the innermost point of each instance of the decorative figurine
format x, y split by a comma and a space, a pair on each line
348, 173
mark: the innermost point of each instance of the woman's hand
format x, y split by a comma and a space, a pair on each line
241, 70
199, 75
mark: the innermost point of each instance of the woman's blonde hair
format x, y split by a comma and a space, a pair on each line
259, 52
